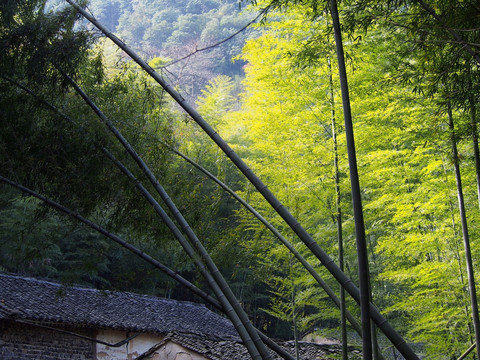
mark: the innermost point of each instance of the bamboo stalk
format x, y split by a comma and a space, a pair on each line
362, 254
175, 276
465, 234
253, 335
468, 351
329, 264
338, 215
474, 130
273, 345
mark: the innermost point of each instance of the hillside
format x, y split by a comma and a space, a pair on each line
173, 30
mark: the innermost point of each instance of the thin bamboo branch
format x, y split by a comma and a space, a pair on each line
452, 32
273, 345
277, 234
338, 215
474, 130
329, 264
456, 252
71, 333
196, 51
468, 351
465, 233
258, 344
362, 254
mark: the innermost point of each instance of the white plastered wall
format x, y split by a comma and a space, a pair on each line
140, 345
172, 351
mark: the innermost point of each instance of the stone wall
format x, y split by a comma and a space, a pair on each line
24, 342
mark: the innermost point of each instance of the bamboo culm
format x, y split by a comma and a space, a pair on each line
338, 215
264, 354
329, 264
466, 239
273, 345
362, 254
279, 236
476, 152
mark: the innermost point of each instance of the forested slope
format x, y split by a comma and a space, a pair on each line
175, 29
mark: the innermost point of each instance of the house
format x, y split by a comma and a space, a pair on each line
45, 320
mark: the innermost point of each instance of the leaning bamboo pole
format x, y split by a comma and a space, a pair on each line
225, 307
257, 349
362, 254
338, 214
172, 274
329, 264
278, 235
465, 233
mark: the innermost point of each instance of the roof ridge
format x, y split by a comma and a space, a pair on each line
79, 287
80, 306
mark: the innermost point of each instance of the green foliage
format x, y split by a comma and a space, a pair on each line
52, 143
32, 41
403, 152
402, 73
217, 99
174, 30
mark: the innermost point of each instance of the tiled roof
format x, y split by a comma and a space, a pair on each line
36, 300
188, 324
210, 347
219, 349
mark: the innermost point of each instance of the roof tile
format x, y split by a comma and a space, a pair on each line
38, 300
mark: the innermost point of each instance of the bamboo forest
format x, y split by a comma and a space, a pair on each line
305, 167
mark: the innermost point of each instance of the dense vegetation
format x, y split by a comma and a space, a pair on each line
173, 30
414, 84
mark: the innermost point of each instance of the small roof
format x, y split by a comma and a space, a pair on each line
220, 349
38, 300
